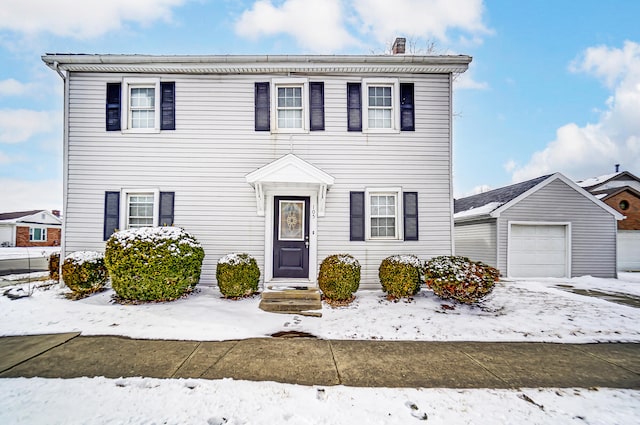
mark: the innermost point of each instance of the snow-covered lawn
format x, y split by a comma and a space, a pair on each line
515, 311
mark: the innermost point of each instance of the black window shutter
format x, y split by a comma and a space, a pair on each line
262, 107
407, 110
166, 208
113, 107
410, 208
354, 107
356, 216
111, 213
316, 106
168, 106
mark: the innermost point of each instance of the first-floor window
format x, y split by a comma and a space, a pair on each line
37, 234
139, 210
383, 216
383, 213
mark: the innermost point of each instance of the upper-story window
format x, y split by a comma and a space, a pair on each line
380, 105
380, 111
140, 105
289, 107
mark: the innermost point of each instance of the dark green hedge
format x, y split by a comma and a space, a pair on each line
238, 275
153, 263
84, 272
339, 276
400, 275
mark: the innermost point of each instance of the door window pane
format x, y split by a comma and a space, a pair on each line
291, 221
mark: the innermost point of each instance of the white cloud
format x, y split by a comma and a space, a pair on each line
466, 82
4, 159
430, 19
18, 125
12, 87
317, 25
23, 195
593, 149
80, 19
510, 165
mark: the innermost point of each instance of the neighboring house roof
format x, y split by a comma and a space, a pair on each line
17, 214
612, 191
30, 217
491, 204
592, 183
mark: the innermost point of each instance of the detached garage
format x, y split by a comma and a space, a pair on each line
544, 227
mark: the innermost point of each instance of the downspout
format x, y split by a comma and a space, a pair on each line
65, 166
451, 204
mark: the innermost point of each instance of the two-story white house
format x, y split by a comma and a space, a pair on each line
287, 158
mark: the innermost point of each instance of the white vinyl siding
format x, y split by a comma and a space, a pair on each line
215, 146
477, 241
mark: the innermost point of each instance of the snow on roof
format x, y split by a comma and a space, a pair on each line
597, 180
478, 211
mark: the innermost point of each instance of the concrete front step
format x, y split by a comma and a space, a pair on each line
305, 302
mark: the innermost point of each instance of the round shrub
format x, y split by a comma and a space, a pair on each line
238, 275
339, 277
459, 278
153, 263
54, 266
400, 275
84, 272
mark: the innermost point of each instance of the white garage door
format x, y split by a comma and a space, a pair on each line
629, 250
538, 250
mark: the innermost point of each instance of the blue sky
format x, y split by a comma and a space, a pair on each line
553, 86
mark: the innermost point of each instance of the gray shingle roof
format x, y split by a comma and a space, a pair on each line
501, 195
18, 214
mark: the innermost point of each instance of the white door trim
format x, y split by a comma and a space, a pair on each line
313, 233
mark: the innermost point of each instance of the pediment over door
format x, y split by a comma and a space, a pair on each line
289, 172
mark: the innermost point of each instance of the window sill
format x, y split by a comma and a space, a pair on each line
141, 131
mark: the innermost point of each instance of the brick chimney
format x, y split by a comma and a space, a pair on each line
56, 213
399, 46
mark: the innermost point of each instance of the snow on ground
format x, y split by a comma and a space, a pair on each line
27, 252
515, 311
193, 401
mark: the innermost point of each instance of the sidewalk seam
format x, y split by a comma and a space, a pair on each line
221, 357
473, 359
77, 334
605, 360
335, 364
190, 356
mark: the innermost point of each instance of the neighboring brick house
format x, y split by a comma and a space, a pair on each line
30, 228
621, 191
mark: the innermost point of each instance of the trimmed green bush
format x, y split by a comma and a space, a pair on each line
153, 263
84, 272
400, 275
339, 277
54, 266
459, 278
238, 275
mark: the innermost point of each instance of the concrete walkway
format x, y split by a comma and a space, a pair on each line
310, 361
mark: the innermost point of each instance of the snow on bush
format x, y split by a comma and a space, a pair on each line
238, 275
400, 275
153, 263
339, 277
459, 278
84, 272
